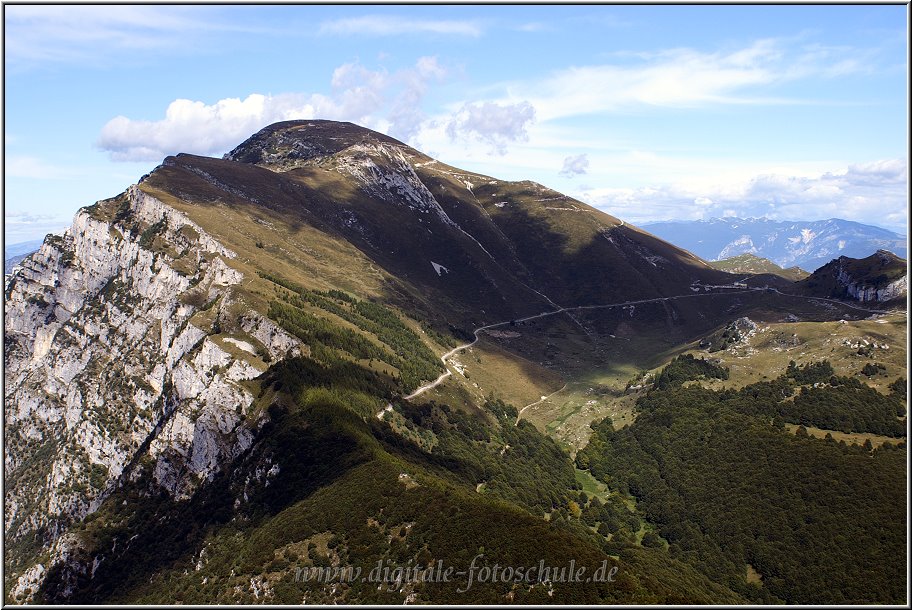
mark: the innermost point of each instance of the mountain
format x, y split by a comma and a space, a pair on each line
508, 240
750, 263
13, 253
231, 374
805, 244
881, 277
21, 248
14, 260
177, 348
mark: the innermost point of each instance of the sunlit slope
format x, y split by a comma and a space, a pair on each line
458, 240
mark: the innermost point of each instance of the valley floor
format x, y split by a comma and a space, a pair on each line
563, 400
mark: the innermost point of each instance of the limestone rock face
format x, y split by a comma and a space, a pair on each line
865, 293
114, 352
872, 289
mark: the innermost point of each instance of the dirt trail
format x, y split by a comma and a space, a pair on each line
540, 400
544, 314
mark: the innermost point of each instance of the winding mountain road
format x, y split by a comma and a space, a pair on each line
480, 329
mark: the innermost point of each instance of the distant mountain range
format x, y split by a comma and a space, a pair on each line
13, 253
240, 370
805, 244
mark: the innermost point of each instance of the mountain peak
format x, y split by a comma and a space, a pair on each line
293, 142
881, 276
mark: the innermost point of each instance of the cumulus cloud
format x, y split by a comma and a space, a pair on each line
890, 171
196, 127
385, 25
855, 183
872, 193
575, 165
405, 115
492, 123
374, 98
644, 204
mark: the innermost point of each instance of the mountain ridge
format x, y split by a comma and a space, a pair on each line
209, 360
806, 244
496, 216
751, 263
881, 277
138, 343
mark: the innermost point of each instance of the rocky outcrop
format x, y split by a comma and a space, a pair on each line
879, 278
865, 292
114, 352
876, 285
384, 172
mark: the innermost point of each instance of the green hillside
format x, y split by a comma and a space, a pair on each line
756, 265
704, 466
348, 490
385, 270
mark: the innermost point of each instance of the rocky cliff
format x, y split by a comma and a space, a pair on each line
861, 290
196, 357
122, 346
881, 277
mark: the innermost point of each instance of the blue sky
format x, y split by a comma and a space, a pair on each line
647, 112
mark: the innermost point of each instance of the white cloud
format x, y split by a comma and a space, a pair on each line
491, 123
26, 226
196, 127
682, 77
405, 116
28, 218
575, 165
633, 82
890, 171
376, 99
873, 193
382, 25
643, 204
86, 35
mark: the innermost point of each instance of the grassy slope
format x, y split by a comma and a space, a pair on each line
335, 475
768, 352
296, 243
596, 367
877, 271
750, 263
350, 491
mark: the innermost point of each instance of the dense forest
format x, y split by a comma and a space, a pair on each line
354, 492
813, 396
687, 368
732, 493
709, 499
